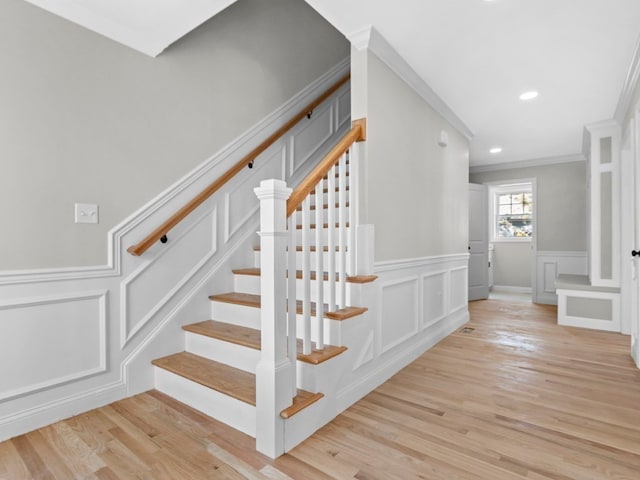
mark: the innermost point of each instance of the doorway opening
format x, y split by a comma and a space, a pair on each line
509, 221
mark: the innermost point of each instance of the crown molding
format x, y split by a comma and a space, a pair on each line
536, 162
629, 87
370, 38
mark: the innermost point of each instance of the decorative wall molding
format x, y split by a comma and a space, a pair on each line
536, 162
399, 300
551, 264
629, 87
370, 38
209, 168
23, 328
129, 328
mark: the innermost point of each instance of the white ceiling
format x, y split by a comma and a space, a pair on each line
148, 26
477, 55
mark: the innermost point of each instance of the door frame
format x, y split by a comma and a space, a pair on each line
534, 221
628, 267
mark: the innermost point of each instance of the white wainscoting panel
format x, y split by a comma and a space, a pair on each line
310, 136
343, 110
241, 204
551, 264
65, 336
150, 287
458, 288
434, 297
399, 304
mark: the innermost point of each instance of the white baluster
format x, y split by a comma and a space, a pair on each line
353, 180
342, 231
319, 269
292, 341
306, 276
331, 239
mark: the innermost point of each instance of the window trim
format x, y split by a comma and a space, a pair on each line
494, 192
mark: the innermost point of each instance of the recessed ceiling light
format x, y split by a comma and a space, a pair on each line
529, 95
495, 150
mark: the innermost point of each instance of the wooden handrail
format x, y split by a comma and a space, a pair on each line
142, 246
358, 133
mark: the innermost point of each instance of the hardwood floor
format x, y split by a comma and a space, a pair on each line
517, 397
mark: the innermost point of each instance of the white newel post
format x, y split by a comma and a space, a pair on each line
273, 372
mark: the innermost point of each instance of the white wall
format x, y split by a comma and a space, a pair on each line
413, 191
85, 119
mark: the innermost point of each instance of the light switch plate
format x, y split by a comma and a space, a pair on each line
86, 213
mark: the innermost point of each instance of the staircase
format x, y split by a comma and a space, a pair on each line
217, 372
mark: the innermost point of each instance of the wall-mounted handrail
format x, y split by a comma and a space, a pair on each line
162, 230
356, 134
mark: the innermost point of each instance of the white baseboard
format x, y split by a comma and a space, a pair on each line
510, 289
59, 409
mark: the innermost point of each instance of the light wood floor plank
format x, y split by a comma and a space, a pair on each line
518, 397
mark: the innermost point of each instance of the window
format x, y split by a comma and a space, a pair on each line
512, 212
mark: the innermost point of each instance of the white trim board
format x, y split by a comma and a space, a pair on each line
370, 38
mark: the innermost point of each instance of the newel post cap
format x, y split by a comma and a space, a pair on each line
273, 189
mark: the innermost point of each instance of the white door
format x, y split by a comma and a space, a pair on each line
478, 242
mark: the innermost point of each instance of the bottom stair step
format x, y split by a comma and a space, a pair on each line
227, 380
217, 376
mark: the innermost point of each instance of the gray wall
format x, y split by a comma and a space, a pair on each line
512, 263
561, 203
413, 191
85, 119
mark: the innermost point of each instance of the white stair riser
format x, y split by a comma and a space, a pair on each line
237, 356
234, 413
236, 314
250, 317
312, 259
251, 284
311, 377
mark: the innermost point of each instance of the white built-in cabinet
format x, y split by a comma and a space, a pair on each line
594, 301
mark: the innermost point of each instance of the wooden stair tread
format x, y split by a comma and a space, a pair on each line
301, 401
350, 279
250, 300
250, 337
244, 336
217, 376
